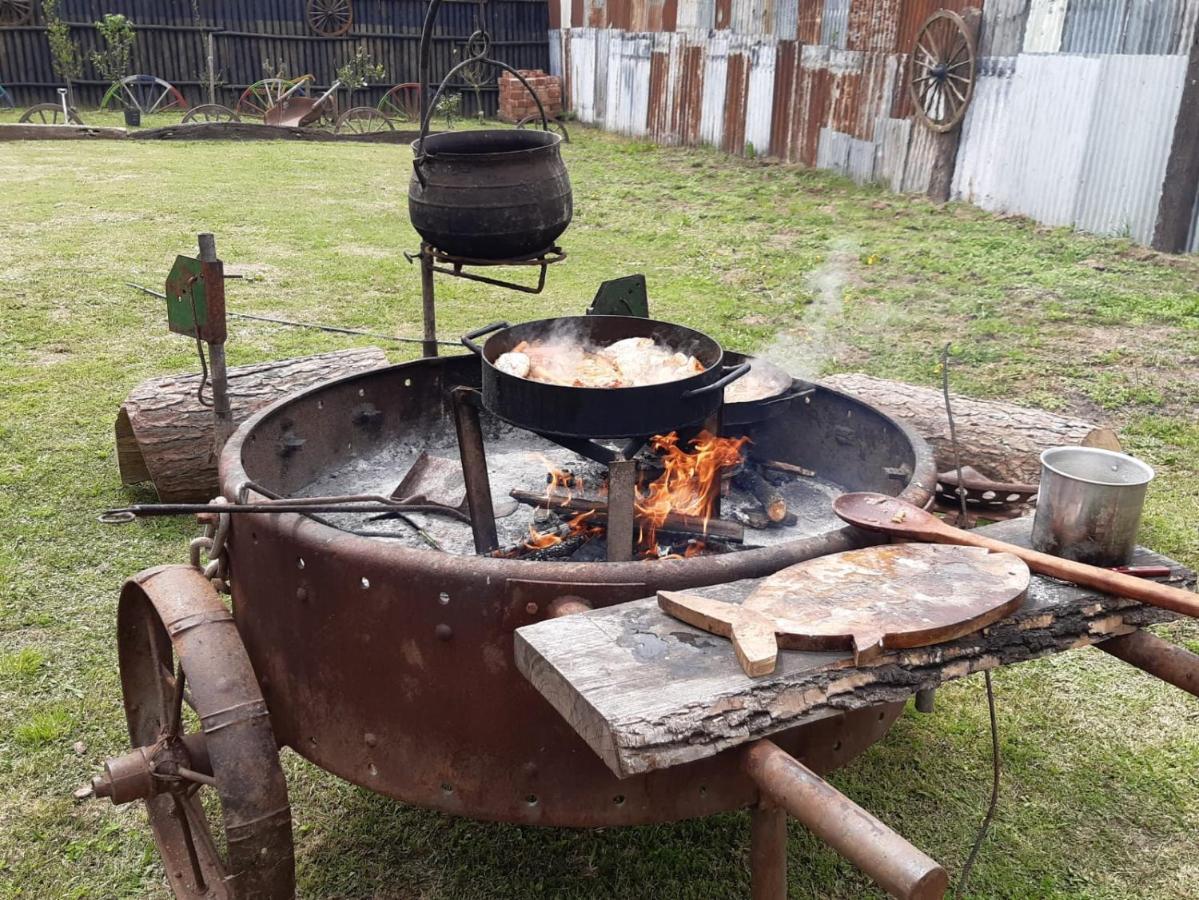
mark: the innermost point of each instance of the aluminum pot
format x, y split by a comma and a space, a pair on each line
1089, 505
490, 195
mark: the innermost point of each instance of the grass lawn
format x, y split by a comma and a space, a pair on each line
1100, 794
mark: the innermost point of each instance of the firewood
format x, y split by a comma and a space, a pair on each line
674, 524
767, 494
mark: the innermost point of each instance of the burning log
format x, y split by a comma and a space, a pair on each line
562, 549
786, 468
758, 520
674, 523
766, 493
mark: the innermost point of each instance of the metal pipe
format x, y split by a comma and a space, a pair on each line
428, 301
767, 852
1149, 653
222, 409
899, 868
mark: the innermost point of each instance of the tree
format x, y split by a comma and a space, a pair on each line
113, 62
359, 71
65, 57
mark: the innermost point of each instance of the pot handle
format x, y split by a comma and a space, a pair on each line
468, 338
723, 381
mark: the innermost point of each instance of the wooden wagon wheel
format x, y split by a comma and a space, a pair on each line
50, 114
16, 12
147, 93
210, 112
181, 660
401, 103
262, 95
556, 126
363, 120
943, 66
331, 18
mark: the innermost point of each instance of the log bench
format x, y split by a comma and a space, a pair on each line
647, 692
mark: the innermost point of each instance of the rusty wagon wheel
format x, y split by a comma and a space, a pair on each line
401, 103
331, 18
210, 112
555, 125
363, 120
944, 64
16, 12
50, 114
181, 658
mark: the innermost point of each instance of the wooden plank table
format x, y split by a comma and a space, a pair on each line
647, 691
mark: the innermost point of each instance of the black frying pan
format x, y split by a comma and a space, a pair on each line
622, 412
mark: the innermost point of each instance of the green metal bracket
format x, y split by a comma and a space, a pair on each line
187, 307
621, 297
193, 308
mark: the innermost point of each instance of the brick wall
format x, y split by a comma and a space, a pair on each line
517, 103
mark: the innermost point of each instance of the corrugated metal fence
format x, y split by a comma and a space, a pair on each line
256, 38
1072, 120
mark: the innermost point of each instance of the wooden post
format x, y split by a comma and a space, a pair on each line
1180, 186
211, 72
945, 158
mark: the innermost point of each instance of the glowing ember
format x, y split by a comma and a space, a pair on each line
688, 484
539, 540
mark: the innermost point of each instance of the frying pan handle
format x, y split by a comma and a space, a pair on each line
468, 338
723, 381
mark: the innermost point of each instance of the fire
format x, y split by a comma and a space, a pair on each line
558, 478
689, 483
539, 540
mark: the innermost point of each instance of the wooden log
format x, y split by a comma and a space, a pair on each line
692, 526
164, 435
23, 132
256, 131
1001, 440
689, 698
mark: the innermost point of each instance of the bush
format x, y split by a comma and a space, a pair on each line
113, 62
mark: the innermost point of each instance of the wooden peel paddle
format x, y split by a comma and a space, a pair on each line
890, 515
867, 601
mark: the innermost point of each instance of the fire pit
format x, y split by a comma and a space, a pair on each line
390, 663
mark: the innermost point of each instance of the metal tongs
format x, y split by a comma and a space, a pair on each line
350, 503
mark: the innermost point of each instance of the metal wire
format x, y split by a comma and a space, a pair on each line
968, 866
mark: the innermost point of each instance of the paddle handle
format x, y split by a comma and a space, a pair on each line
1151, 592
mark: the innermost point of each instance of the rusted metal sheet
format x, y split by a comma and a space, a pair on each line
1128, 144
873, 25
753, 17
735, 91
1043, 31
892, 137
1072, 140
1002, 32
759, 97
696, 15
628, 83
1128, 26
716, 62
724, 14
661, 87
914, 13
809, 15
834, 23
783, 102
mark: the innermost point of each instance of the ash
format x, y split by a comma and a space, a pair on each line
517, 459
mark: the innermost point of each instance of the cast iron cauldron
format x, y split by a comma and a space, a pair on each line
490, 195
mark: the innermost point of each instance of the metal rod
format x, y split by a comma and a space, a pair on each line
1149, 653
428, 300
474, 469
335, 329
222, 409
622, 498
900, 868
767, 852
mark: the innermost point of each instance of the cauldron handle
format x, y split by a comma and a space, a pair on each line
723, 381
468, 338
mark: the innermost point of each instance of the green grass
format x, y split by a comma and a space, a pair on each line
1100, 792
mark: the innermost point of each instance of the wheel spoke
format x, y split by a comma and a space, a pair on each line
189, 842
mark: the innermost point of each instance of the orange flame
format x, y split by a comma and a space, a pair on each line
689, 482
539, 540
558, 478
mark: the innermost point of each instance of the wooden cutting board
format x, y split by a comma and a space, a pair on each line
888, 597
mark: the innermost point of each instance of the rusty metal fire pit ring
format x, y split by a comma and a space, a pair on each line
174, 612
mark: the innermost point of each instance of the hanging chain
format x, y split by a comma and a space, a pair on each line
214, 547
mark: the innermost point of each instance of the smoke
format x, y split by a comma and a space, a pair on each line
804, 349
